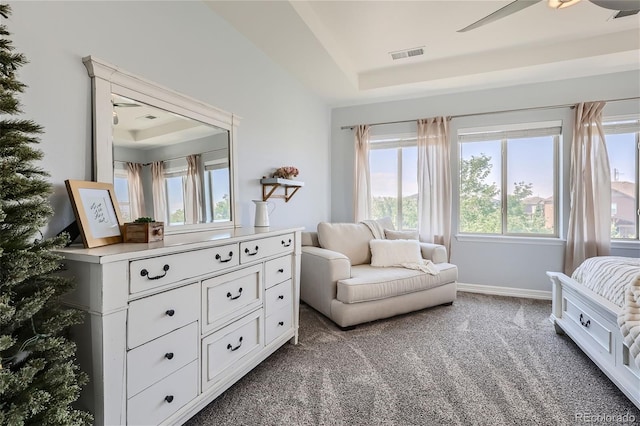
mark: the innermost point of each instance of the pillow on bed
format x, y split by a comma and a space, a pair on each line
400, 235
394, 252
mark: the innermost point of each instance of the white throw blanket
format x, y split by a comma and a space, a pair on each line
629, 319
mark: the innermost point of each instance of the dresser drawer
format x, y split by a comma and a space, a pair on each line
265, 247
277, 270
277, 324
277, 297
151, 362
161, 313
161, 400
149, 273
583, 319
227, 347
230, 296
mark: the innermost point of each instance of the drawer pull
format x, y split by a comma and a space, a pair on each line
169, 398
281, 297
586, 323
281, 270
168, 355
285, 244
248, 252
235, 297
235, 348
170, 312
218, 257
145, 273
281, 323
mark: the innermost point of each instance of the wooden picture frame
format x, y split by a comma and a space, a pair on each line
97, 212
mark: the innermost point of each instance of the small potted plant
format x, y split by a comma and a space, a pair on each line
143, 230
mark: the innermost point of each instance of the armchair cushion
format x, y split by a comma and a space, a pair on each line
350, 239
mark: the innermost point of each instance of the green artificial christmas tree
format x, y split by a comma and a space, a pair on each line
39, 378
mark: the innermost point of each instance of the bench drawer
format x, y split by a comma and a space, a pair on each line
582, 318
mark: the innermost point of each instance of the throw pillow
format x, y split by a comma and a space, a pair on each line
400, 235
394, 252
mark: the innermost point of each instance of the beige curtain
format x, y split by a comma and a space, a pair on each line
193, 190
159, 192
136, 192
589, 232
362, 182
434, 182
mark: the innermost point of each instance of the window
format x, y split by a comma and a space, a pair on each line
121, 189
508, 180
393, 168
622, 148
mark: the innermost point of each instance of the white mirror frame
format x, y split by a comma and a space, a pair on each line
107, 79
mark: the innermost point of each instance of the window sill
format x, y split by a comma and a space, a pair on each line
625, 245
502, 239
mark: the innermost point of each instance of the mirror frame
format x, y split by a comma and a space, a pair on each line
107, 79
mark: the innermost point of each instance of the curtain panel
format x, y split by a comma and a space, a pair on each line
434, 182
159, 193
362, 179
136, 192
589, 232
193, 202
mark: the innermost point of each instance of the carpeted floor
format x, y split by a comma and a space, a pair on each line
486, 360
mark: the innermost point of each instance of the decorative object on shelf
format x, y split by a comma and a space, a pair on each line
262, 212
97, 212
286, 172
290, 187
143, 230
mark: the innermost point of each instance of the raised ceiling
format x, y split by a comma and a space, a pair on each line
341, 49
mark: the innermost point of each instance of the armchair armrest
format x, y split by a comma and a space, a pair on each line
434, 252
320, 270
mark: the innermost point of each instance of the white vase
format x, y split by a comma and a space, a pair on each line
262, 212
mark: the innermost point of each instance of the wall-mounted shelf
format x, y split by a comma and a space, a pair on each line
269, 186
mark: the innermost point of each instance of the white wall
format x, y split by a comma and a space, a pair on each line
185, 46
504, 262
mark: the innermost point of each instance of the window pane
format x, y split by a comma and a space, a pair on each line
409, 188
175, 200
621, 149
121, 189
383, 169
480, 196
530, 186
221, 197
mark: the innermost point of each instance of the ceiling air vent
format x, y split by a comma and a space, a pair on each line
400, 54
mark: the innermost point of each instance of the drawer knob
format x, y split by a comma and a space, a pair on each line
281, 270
286, 244
281, 323
218, 257
168, 355
584, 323
229, 295
145, 273
281, 297
235, 348
169, 398
170, 312
248, 252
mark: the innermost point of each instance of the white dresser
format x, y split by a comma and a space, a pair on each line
173, 324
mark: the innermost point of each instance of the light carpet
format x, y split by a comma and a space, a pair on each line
485, 360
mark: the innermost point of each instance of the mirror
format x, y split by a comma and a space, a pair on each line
169, 157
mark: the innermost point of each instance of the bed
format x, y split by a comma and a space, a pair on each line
597, 307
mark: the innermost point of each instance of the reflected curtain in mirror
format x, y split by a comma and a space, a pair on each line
193, 190
159, 194
136, 192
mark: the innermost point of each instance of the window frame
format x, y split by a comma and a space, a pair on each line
396, 141
502, 134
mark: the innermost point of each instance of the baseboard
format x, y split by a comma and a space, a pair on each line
504, 291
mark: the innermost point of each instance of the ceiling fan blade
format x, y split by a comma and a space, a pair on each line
124, 105
624, 5
624, 13
503, 12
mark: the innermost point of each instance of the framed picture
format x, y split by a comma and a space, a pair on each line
97, 212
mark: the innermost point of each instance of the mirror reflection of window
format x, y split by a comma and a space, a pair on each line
121, 188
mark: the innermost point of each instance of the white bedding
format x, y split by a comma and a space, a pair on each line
608, 276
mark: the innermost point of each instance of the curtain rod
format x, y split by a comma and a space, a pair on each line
489, 112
